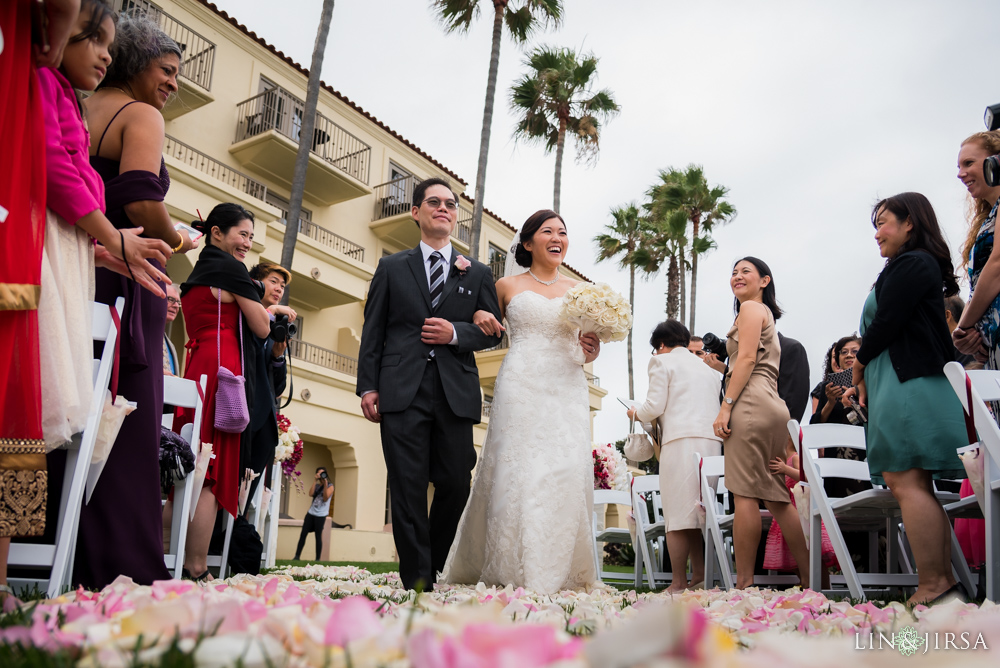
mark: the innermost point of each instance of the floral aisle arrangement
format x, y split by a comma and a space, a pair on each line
288, 452
596, 308
346, 616
610, 469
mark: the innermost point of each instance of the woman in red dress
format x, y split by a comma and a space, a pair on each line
214, 297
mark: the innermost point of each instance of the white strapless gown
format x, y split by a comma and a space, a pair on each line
528, 519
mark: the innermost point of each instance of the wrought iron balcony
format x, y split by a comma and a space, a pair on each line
394, 198
198, 59
463, 226
391, 217
328, 359
277, 109
496, 268
204, 163
332, 240
592, 379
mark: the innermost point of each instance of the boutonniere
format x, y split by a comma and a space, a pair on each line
462, 264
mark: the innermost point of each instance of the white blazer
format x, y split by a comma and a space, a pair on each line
683, 395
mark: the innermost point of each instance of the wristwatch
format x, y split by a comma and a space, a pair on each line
729, 401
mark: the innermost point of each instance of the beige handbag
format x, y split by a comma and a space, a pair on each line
641, 447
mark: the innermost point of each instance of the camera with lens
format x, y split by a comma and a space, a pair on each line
715, 346
323, 475
281, 329
991, 165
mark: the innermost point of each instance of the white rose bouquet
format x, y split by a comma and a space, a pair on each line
597, 309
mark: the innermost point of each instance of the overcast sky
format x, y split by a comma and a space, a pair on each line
807, 111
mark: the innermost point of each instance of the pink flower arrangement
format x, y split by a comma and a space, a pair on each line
289, 449
610, 470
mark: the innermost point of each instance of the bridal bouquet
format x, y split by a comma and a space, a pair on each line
597, 309
610, 469
288, 452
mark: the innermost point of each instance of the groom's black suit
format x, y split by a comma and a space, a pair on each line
428, 403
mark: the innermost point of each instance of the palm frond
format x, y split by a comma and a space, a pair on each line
456, 15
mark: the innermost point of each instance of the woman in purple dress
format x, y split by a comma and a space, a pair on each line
121, 526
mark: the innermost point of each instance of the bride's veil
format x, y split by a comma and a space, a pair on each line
511, 267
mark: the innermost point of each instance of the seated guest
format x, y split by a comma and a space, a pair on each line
271, 371
171, 363
684, 398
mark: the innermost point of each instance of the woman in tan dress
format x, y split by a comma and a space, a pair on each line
753, 421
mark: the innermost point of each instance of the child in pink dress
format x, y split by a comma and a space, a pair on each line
74, 217
777, 556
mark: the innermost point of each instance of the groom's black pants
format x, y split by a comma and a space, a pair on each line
426, 443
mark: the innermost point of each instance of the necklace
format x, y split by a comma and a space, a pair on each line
541, 281
120, 90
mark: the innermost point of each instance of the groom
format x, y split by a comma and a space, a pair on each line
417, 377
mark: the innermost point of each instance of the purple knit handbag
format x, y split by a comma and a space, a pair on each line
231, 414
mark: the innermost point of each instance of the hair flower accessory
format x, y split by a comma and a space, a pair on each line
462, 264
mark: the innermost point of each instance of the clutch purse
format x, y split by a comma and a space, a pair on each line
231, 413
641, 447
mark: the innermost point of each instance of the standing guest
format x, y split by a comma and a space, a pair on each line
954, 307
23, 475
120, 525
697, 346
222, 312
171, 363
914, 419
753, 421
272, 373
683, 398
978, 330
793, 376
319, 510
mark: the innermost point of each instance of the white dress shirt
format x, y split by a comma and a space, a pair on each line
446, 253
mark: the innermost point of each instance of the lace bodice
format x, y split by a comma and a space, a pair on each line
533, 320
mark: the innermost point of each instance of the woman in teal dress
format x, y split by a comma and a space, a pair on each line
915, 420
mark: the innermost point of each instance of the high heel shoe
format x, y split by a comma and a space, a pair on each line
957, 590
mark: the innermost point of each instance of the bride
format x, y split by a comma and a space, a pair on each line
528, 519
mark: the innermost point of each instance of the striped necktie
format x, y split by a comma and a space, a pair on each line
437, 278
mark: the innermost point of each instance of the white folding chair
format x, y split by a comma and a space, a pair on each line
605, 497
183, 393
267, 518
869, 510
649, 529
59, 557
985, 387
713, 494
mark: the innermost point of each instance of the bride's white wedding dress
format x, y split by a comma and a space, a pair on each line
528, 519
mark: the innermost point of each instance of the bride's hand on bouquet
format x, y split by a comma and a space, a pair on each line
591, 347
488, 323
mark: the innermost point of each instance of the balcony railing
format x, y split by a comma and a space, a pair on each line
591, 378
394, 197
486, 409
496, 268
198, 59
334, 241
463, 226
329, 359
209, 165
277, 109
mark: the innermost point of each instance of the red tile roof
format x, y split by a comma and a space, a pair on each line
340, 96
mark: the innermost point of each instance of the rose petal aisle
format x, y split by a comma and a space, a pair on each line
346, 616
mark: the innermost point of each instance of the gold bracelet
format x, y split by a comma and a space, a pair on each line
180, 244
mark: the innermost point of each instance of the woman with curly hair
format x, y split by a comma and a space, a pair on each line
120, 527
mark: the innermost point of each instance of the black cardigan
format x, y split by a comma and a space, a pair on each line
909, 319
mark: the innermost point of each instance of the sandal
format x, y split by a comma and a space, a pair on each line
186, 575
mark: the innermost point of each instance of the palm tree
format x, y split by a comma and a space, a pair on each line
664, 241
704, 206
522, 18
622, 237
305, 142
556, 98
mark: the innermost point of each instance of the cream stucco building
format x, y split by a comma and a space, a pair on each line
232, 135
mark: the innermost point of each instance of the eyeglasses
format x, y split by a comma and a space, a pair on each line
173, 301
435, 202
851, 353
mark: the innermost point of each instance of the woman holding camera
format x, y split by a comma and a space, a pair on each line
978, 330
683, 398
914, 419
753, 419
319, 510
222, 309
